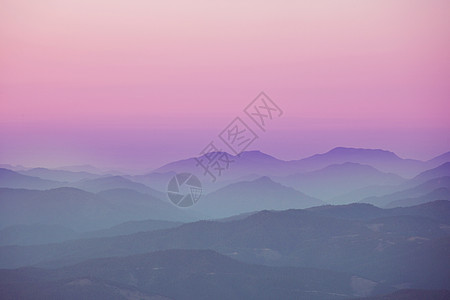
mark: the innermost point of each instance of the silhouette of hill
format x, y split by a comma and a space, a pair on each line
438, 172
415, 294
74, 234
420, 190
12, 179
247, 163
339, 179
83, 211
36, 234
382, 160
354, 211
82, 168
250, 196
437, 194
131, 227
116, 182
440, 159
257, 162
409, 246
360, 194
436, 210
186, 274
59, 175
155, 180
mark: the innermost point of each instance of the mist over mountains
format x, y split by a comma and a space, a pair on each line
344, 224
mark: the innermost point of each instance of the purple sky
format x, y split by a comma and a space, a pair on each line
135, 84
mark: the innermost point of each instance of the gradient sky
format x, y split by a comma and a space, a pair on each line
137, 83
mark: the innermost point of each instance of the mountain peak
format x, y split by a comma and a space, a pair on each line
7, 171
360, 151
264, 180
445, 157
350, 166
255, 154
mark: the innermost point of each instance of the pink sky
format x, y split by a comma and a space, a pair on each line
138, 83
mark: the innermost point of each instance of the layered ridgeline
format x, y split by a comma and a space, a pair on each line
84, 211
181, 274
256, 162
67, 203
267, 229
405, 247
254, 181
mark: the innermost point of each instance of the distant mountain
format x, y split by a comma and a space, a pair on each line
437, 194
35, 234
22, 284
82, 168
358, 195
236, 217
133, 204
159, 181
247, 163
361, 193
155, 180
12, 179
69, 207
131, 227
415, 294
256, 162
354, 211
385, 166
338, 179
59, 175
16, 168
250, 196
436, 210
438, 160
81, 210
382, 160
410, 248
183, 274
440, 171
418, 191
116, 182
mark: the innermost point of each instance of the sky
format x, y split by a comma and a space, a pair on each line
138, 83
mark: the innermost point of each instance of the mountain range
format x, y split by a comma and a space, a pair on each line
339, 179
182, 274
394, 246
256, 162
83, 211
247, 196
246, 189
343, 224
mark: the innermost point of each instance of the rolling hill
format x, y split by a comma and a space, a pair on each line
12, 179
405, 246
338, 179
420, 190
59, 175
83, 211
182, 274
248, 196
